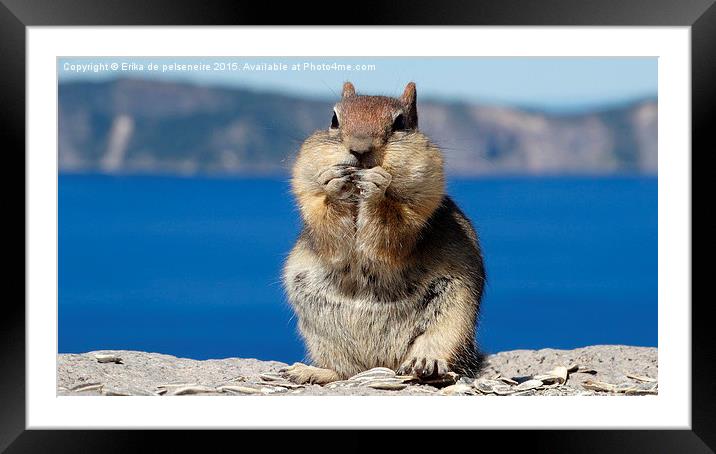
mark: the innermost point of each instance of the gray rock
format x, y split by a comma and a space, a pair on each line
529, 384
626, 371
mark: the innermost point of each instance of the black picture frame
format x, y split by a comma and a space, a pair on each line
16, 15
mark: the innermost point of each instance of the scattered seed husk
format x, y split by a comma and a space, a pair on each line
387, 385
380, 380
114, 392
272, 377
342, 384
529, 392
238, 389
508, 381
367, 379
376, 372
623, 388
561, 372
457, 389
278, 381
127, 391
466, 380
503, 390
142, 392
107, 358
529, 384
288, 385
641, 392
573, 368
84, 387
407, 378
168, 387
586, 370
557, 375
487, 386
192, 390
599, 386
448, 379
523, 378
273, 390
641, 378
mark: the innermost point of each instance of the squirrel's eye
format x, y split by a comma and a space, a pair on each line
334, 121
399, 123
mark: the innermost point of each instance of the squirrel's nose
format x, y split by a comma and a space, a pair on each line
358, 152
358, 145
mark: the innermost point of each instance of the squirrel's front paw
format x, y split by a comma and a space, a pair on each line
423, 367
337, 181
372, 183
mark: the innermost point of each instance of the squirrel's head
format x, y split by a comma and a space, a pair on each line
370, 131
365, 124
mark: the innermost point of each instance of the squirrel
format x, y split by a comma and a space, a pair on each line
387, 270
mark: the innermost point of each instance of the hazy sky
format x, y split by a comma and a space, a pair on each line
557, 84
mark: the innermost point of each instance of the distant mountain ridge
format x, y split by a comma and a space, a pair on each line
133, 126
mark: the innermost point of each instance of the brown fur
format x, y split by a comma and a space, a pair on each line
387, 271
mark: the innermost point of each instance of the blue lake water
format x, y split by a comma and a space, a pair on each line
191, 266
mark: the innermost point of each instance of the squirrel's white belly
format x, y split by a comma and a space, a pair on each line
363, 329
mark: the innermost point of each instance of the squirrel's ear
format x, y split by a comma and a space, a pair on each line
348, 90
410, 99
410, 94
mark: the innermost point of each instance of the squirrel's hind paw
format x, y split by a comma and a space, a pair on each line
304, 374
424, 367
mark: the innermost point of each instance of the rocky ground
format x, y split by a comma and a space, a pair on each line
595, 370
